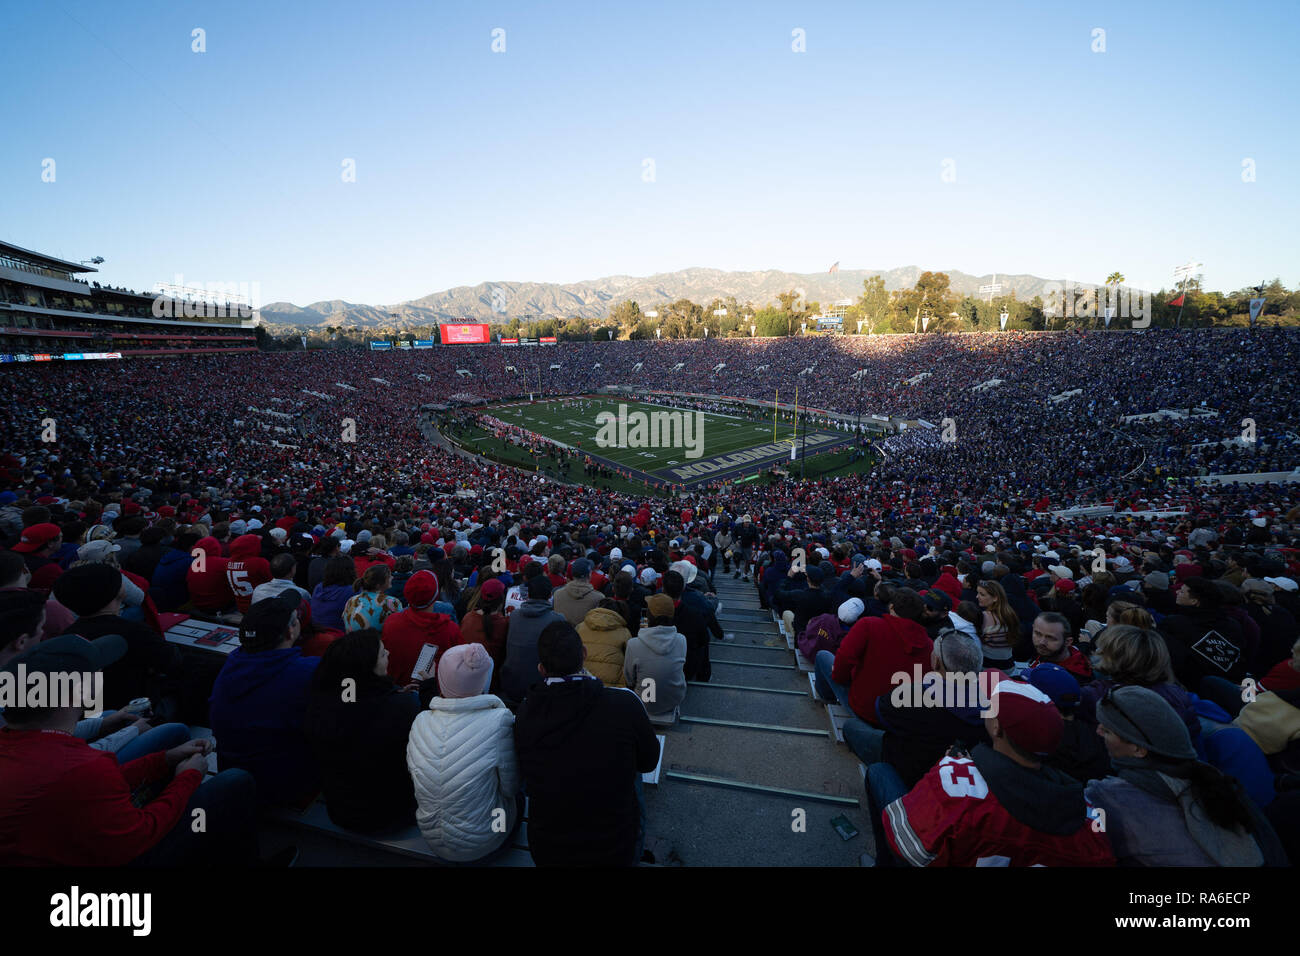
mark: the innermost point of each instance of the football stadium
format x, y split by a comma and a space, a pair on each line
663, 446
679, 568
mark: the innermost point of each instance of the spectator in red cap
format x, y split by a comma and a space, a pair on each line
38, 545
1000, 806
407, 632
14, 576
1062, 597
947, 582
485, 623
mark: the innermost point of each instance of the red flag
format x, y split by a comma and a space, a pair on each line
1177, 301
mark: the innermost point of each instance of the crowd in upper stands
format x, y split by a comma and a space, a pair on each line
423, 637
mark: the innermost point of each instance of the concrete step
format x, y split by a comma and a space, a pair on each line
731, 613
776, 678
762, 624
747, 706
809, 763
748, 829
746, 632
749, 640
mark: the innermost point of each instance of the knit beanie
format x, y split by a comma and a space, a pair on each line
1157, 580
1143, 717
465, 671
88, 588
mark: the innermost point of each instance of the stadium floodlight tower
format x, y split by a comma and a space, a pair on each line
1183, 273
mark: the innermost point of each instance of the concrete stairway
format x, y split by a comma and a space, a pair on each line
752, 775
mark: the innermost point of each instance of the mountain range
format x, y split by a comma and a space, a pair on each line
593, 299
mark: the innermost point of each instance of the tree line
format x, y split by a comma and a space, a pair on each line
930, 306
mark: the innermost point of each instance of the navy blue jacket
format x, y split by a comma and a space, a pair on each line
168, 587
257, 710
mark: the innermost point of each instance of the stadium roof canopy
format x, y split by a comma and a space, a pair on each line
40, 259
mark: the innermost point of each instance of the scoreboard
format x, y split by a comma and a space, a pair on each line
466, 334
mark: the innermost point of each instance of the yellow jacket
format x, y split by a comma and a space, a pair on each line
1270, 721
605, 635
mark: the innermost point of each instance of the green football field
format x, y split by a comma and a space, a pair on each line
679, 446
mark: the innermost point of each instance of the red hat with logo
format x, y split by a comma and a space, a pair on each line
1028, 717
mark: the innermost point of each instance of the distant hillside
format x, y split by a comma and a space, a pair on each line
594, 298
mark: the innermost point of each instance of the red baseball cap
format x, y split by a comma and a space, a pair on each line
1028, 717
37, 537
493, 589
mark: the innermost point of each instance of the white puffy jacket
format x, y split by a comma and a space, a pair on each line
461, 754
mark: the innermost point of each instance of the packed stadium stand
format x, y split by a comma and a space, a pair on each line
1113, 519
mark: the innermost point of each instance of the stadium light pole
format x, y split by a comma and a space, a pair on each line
803, 447
1184, 272
857, 429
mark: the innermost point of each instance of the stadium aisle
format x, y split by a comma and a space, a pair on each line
717, 803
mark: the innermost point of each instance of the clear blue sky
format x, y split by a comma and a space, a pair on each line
474, 166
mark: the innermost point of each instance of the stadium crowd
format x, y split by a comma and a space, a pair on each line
424, 636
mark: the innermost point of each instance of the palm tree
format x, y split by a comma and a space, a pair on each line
1114, 281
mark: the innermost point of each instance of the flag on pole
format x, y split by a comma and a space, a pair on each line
1256, 307
1178, 301
834, 268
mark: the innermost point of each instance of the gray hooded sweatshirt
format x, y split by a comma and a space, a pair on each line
657, 654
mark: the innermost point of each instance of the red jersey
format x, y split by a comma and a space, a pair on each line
243, 576
952, 817
246, 569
